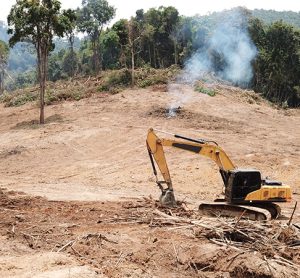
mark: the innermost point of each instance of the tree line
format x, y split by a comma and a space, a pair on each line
155, 38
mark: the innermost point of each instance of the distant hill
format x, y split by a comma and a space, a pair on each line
270, 16
21, 57
267, 16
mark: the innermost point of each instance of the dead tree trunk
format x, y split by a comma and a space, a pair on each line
1, 81
132, 65
42, 68
95, 57
175, 52
131, 47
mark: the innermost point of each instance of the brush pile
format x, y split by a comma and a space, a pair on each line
272, 239
178, 239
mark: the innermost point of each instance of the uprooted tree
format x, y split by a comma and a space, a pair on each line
37, 22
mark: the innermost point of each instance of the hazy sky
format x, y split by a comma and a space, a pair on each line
127, 8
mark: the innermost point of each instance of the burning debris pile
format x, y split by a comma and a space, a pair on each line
195, 120
167, 112
172, 112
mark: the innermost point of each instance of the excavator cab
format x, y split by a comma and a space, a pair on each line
240, 183
246, 186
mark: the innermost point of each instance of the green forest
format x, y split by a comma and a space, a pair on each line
158, 38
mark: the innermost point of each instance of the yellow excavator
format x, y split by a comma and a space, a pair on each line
246, 193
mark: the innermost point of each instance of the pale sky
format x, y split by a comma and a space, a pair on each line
127, 8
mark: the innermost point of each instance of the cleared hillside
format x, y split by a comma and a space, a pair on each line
88, 179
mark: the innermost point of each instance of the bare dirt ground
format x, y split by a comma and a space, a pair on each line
78, 194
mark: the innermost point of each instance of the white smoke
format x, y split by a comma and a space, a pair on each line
230, 41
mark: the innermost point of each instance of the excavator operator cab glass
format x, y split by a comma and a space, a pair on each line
240, 183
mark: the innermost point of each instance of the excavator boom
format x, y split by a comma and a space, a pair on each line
203, 147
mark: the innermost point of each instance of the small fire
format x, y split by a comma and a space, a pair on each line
173, 111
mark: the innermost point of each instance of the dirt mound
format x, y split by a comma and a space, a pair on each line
56, 118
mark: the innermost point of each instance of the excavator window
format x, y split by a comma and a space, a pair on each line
241, 183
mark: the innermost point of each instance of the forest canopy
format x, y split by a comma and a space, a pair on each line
161, 37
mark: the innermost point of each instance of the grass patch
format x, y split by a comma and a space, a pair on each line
204, 90
35, 124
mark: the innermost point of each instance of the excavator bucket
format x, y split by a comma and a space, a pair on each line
167, 198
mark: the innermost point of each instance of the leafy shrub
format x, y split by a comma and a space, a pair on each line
148, 76
56, 96
115, 79
152, 80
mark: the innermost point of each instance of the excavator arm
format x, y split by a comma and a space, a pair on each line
210, 149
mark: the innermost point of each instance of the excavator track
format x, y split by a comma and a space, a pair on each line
272, 208
256, 211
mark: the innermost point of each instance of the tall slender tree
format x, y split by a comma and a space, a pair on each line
92, 18
134, 37
37, 22
70, 60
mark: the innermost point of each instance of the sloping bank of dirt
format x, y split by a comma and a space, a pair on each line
139, 238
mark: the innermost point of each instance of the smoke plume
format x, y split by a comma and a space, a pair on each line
226, 54
230, 41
